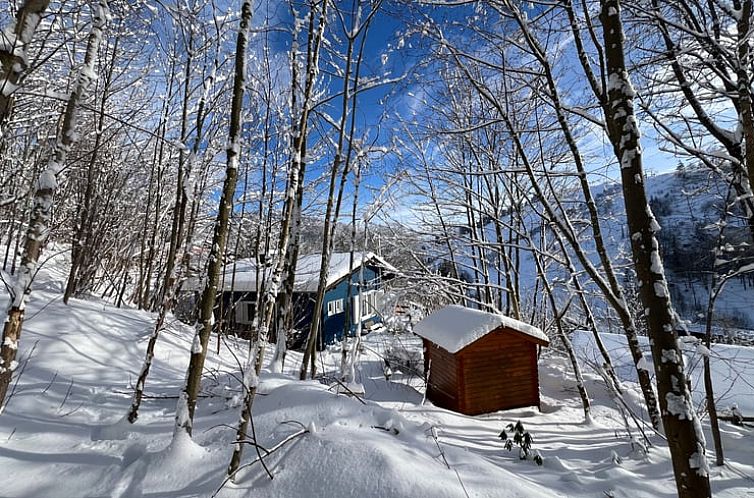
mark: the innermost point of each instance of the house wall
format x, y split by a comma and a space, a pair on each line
187, 306
229, 316
334, 325
499, 372
303, 304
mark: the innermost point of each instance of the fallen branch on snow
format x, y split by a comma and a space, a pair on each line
267, 453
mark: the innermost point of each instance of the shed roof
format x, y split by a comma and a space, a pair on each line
455, 327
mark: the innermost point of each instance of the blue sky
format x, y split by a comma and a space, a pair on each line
383, 110
380, 59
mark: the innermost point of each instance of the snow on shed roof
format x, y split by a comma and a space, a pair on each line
307, 271
455, 327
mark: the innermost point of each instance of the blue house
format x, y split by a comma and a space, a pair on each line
366, 277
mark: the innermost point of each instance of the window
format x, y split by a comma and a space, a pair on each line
245, 311
335, 307
369, 304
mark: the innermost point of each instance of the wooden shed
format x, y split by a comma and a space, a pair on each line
478, 362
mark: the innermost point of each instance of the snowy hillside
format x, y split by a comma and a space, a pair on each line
61, 433
688, 206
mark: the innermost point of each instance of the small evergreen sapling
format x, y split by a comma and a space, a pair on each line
523, 440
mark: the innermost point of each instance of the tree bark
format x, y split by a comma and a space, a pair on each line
186, 406
13, 57
743, 75
47, 185
682, 427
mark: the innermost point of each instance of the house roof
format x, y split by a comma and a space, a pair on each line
307, 271
455, 327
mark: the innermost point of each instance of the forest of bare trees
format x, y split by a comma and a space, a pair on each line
469, 143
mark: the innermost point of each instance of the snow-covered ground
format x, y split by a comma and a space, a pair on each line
60, 436
732, 367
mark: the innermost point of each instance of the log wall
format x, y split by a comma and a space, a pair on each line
497, 372
442, 385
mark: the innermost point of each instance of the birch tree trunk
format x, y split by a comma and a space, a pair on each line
682, 426
47, 185
13, 57
558, 315
264, 319
300, 127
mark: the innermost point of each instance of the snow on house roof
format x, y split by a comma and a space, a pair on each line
307, 271
455, 327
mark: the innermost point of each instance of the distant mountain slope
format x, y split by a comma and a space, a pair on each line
689, 205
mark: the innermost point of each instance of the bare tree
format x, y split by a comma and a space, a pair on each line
265, 315
47, 184
177, 267
299, 149
341, 163
681, 424
706, 44
187, 399
529, 154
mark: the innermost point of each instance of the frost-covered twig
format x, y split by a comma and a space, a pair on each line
433, 435
622, 405
353, 394
282, 443
52, 381
18, 377
67, 394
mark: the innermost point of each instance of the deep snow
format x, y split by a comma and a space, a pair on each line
60, 435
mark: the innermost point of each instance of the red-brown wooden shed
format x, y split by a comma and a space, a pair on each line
478, 362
